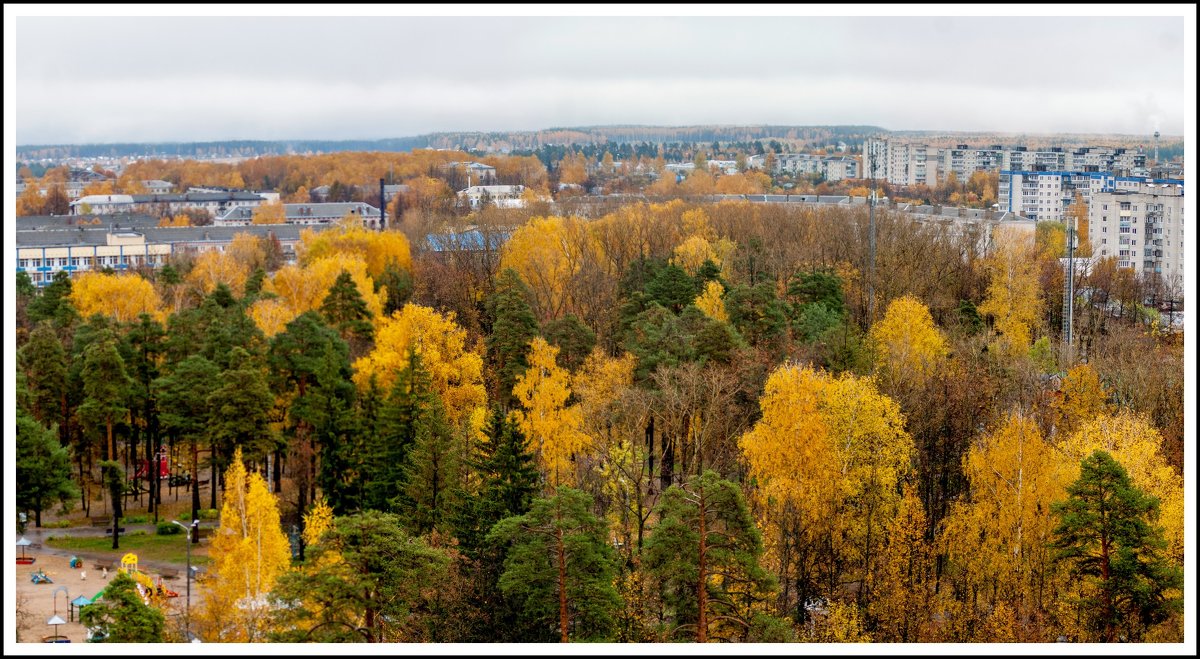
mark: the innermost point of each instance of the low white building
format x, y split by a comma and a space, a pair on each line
216, 203
306, 214
501, 196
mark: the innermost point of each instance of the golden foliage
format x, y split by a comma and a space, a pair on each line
301, 289
908, 344
547, 252
271, 315
1013, 297
216, 267
248, 249
176, 221
317, 521
1081, 398
554, 429
271, 212
711, 301
378, 249
999, 535
249, 552
455, 370
121, 296
693, 252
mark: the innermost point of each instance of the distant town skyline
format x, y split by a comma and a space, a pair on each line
174, 78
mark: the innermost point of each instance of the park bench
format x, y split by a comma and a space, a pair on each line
103, 565
108, 531
169, 573
101, 521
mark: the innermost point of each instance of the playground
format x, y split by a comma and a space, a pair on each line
39, 601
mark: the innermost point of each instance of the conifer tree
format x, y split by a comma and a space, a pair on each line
1107, 537
513, 327
347, 312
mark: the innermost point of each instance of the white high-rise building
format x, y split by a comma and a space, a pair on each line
1143, 226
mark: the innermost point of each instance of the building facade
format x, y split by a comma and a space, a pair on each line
216, 203
1143, 227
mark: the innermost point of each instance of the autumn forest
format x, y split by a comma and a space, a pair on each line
653, 420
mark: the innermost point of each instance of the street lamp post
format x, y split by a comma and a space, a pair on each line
187, 616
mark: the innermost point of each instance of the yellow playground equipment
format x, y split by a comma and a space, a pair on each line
150, 591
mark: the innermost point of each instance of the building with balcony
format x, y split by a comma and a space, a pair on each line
1143, 227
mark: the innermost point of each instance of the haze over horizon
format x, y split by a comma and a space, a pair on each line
133, 79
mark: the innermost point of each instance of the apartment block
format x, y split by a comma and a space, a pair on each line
1143, 226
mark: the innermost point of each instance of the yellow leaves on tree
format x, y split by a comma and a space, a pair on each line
317, 521
301, 289
455, 370
121, 296
176, 221
249, 552
547, 252
1012, 296
711, 301
553, 429
1081, 398
215, 267
999, 535
790, 450
271, 212
692, 253
832, 452
599, 382
1137, 445
572, 168
903, 588
699, 182
248, 249
377, 248
739, 184
908, 345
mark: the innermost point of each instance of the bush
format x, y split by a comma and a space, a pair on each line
60, 524
209, 513
167, 528
137, 519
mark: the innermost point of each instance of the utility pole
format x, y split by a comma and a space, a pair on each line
187, 616
1069, 293
871, 240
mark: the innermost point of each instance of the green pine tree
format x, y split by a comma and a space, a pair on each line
559, 568
346, 311
1106, 536
43, 469
704, 553
574, 340
121, 616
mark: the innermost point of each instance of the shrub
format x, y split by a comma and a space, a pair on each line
137, 519
209, 513
167, 528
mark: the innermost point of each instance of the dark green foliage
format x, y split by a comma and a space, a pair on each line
241, 408
54, 303
513, 327
433, 473
968, 316
574, 340
114, 481
399, 287
120, 616
1106, 535
25, 286
716, 341
222, 296
756, 313
43, 469
44, 364
656, 339
167, 528
672, 288
105, 387
709, 271
508, 483
169, 275
732, 546
813, 321
379, 590
817, 287
185, 410
253, 286
346, 311
561, 528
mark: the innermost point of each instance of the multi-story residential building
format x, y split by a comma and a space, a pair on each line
902, 163
216, 203
836, 168
306, 214
477, 172
42, 253
1049, 195
1141, 225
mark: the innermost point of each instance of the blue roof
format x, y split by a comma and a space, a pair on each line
472, 240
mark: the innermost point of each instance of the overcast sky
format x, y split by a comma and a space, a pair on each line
195, 79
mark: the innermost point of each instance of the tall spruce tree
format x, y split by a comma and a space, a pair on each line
43, 468
183, 398
513, 327
346, 311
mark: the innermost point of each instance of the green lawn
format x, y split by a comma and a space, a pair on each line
170, 548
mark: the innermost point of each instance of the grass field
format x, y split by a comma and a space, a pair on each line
170, 548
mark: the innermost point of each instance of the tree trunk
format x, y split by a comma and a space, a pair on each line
195, 489
37, 517
563, 618
277, 468
702, 580
109, 425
